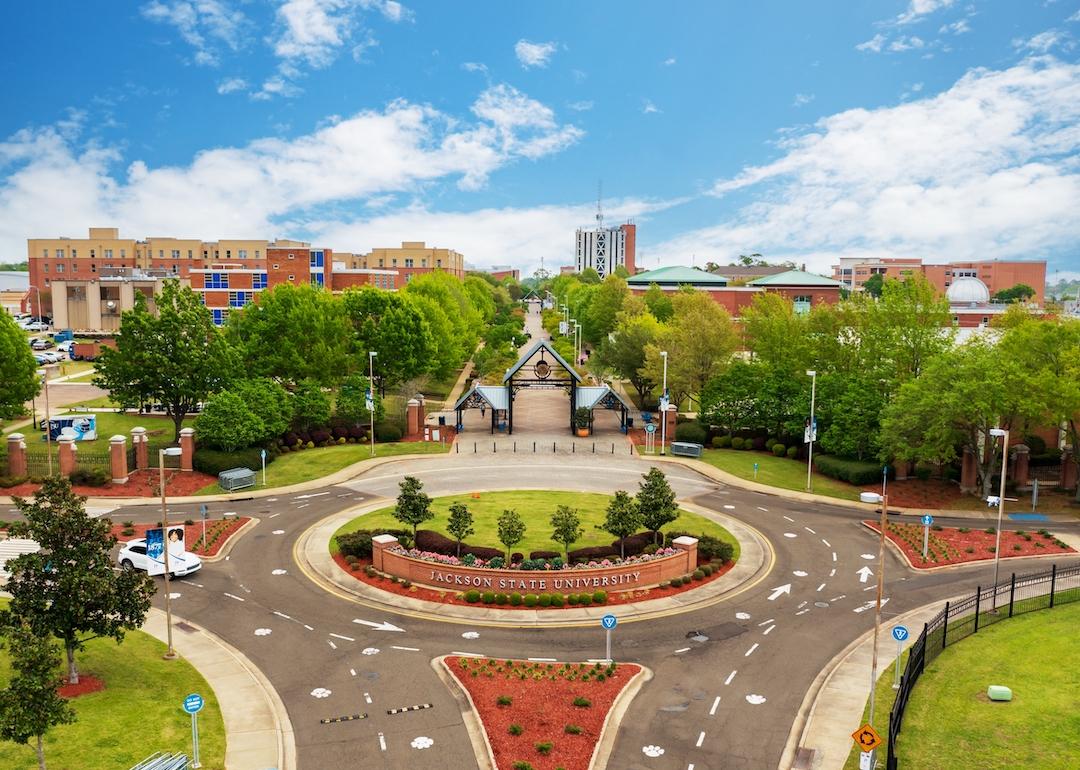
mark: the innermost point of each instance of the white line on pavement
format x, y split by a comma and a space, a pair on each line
700, 739
826, 542
467, 654
682, 650
346, 638
820, 587
367, 698
767, 630
838, 598
802, 605
272, 515
410, 649
382, 742
750, 652
812, 532
834, 555
232, 596
309, 628
870, 588
766, 622
762, 509
789, 518
282, 615
352, 672
303, 505
332, 645
803, 612
542, 660
715, 705
832, 572
730, 677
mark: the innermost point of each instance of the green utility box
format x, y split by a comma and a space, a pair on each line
998, 692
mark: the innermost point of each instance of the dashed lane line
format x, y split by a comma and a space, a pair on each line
730, 677
367, 698
234, 596
750, 652
789, 518
467, 654
834, 555
409, 649
767, 630
382, 742
715, 705
803, 612
826, 542
346, 638
820, 587
812, 532
700, 739
332, 645
766, 622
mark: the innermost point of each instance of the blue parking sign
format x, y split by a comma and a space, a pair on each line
193, 703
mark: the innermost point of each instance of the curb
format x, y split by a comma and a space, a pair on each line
485, 758
246, 731
226, 549
608, 736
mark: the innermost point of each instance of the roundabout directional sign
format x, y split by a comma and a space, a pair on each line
609, 621
193, 703
927, 520
899, 633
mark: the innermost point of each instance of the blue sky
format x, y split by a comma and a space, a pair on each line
805, 131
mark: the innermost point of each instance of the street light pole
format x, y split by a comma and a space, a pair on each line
663, 408
170, 653
1003, 434
371, 389
874, 497
810, 455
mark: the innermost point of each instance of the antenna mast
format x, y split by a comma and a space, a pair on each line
599, 204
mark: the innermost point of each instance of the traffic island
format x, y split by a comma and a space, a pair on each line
219, 534
543, 715
951, 546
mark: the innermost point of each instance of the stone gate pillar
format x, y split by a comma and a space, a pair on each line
379, 543
142, 448
68, 455
670, 416
1021, 468
187, 449
16, 449
1068, 469
414, 419
118, 459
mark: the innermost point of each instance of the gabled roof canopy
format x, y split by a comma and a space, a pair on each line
496, 396
795, 278
589, 396
541, 345
677, 275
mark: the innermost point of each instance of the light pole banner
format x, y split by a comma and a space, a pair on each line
155, 551
810, 431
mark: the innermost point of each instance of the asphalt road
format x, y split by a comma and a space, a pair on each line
729, 679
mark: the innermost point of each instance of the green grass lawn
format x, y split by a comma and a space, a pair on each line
158, 428
776, 472
136, 714
949, 722
309, 464
535, 508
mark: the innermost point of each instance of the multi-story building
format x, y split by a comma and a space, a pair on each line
502, 272
606, 248
96, 304
410, 259
998, 275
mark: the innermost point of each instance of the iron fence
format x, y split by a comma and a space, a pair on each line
960, 619
37, 462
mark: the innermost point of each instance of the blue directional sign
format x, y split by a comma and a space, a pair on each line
262, 453
899, 633
609, 621
204, 511
650, 428
193, 703
927, 520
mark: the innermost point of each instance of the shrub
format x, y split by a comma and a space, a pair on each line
515, 599
635, 544
515, 729
556, 600
213, 461
358, 543
572, 599
698, 574
599, 597
488, 597
665, 584
676, 582
965, 530
544, 555
792, 452
770, 443
757, 443
369, 570
532, 599
936, 527
472, 596
504, 700
990, 530
778, 449
517, 557
12, 481
1036, 444
969, 549
522, 765
707, 569
594, 552
387, 431
721, 442
737, 443
129, 531
544, 747
189, 522
992, 549
91, 477
545, 600
500, 599
922, 472
585, 599
857, 472
582, 703
1017, 547
692, 432
572, 730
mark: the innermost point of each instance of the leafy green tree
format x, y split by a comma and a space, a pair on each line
1021, 292
69, 588
607, 303
656, 502
511, 529
388, 324
227, 423
566, 527
17, 369
311, 406
449, 292
482, 296
351, 403
622, 519
589, 276
30, 705
413, 505
460, 523
873, 284
293, 333
659, 303
446, 352
730, 398
268, 401
175, 356
625, 354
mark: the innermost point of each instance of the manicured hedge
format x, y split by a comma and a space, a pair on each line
858, 472
545, 555
429, 540
593, 552
358, 543
693, 432
387, 431
635, 544
213, 461
709, 547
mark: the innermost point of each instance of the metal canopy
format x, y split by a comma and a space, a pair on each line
495, 396
603, 396
541, 345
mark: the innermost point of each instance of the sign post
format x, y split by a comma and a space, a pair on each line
755, 471
927, 520
899, 633
262, 454
193, 704
1034, 493
204, 513
609, 622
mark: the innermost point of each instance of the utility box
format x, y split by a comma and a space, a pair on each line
686, 449
236, 478
998, 692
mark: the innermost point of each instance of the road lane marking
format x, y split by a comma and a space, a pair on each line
812, 532
826, 542
767, 630
382, 742
765, 623
309, 628
414, 649
233, 596
282, 615
832, 572
682, 650
803, 604
367, 697
730, 677
820, 587
750, 652
346, 638
715, 705
700, 739
273, 515
310, 494
834, 555
303, 505
352, 672
467, 654
762, 509
838, 598
803, 612
332, 645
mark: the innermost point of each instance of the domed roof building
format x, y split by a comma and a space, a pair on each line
968, 291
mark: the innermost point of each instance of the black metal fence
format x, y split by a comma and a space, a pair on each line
961, 619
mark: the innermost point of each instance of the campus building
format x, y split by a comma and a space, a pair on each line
96, 304
997, 275
410, 259
606, 248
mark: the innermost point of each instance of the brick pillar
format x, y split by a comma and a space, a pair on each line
670, 417
118, 459
413, 417
1068, 469
187, 448
969, 477
688, 544
68, 455
380, 543
142, 449
903, 469
1021, 471
16, 448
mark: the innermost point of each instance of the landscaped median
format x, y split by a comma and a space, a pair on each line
962, 545
543, 715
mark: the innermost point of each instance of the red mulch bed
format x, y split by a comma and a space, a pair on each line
913, 493
452, 597
225, 529
542, 707
87, 684
139, 484
950, 546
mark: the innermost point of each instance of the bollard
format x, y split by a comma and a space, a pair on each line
534, 447
553, 447
573, 447
474, 447
515, 447
594, 447
613, 447
493, 449
1012, 593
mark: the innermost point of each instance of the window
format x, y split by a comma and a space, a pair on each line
175, 269
59, 267
292, 256
228, 253
242, 253
138, 549
438, 263
217, 280
46, 281
108, 253
161, 253
408, 263
93, 267
45, 253
802, 303
205, 254
59, 253
277, 266
91, 253
123, 253
45, 267
317, 279
73, 253
292, 277
258, 281
256, 253
176, 253
985, 320
316, 259
220, 315
189, 253
217, 254
239, 298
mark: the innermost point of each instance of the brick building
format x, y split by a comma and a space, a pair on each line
998, 275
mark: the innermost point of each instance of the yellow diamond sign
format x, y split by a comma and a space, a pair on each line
866, 738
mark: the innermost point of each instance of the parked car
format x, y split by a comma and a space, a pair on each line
50, 357
36, 326
65, 347
133, 556
40, 358
41, 343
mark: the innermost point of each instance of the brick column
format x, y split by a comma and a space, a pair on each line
413, 417
142, 449
671, 421
16, 447
68, 455
903, 469
187, 448
688, 544
1068, 469
380, 543
969, 477
118, 459
1021, 470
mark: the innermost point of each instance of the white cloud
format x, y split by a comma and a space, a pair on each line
314, 30
1075, 17
52, 185
906, 44
200, 24
669, 61
533, 54
231, 85
802, 99
648, 108
582, 105
987, 168
874, 44
916, 87
395, 11
472, 66
917, 9
956, 28
1042, 42
276, 85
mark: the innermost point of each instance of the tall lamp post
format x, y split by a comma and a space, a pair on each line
172, 451
874, 498
663, 408
810, 430
1003, 434
577, 344
371, 389
44, 375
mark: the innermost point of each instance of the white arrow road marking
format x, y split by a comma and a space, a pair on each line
754, 699
309, 496
384, 626
870, 605
742, 616
864, 574
784, 589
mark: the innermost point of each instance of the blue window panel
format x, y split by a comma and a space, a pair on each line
259, 281
219, 316
317, 259
217, 280
239, 298
317, 279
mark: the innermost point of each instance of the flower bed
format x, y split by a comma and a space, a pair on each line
358, 569
218, 532
526, 565
541, 716
139, 484
952, 545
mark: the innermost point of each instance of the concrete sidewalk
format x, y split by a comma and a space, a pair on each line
258, 733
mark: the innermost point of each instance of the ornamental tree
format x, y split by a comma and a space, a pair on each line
30, 705
311, 406
413, 505
228, 423
566, 527
623, 518
69, 588
268, 401
511, 529
460, 525
17, 369
656, 501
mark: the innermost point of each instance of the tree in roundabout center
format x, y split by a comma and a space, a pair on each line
413, 505
623, 518
460, 524
69, 588
656, 502
30, 705
566, 527
511, 530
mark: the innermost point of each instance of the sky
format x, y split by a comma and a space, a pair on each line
941, 129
